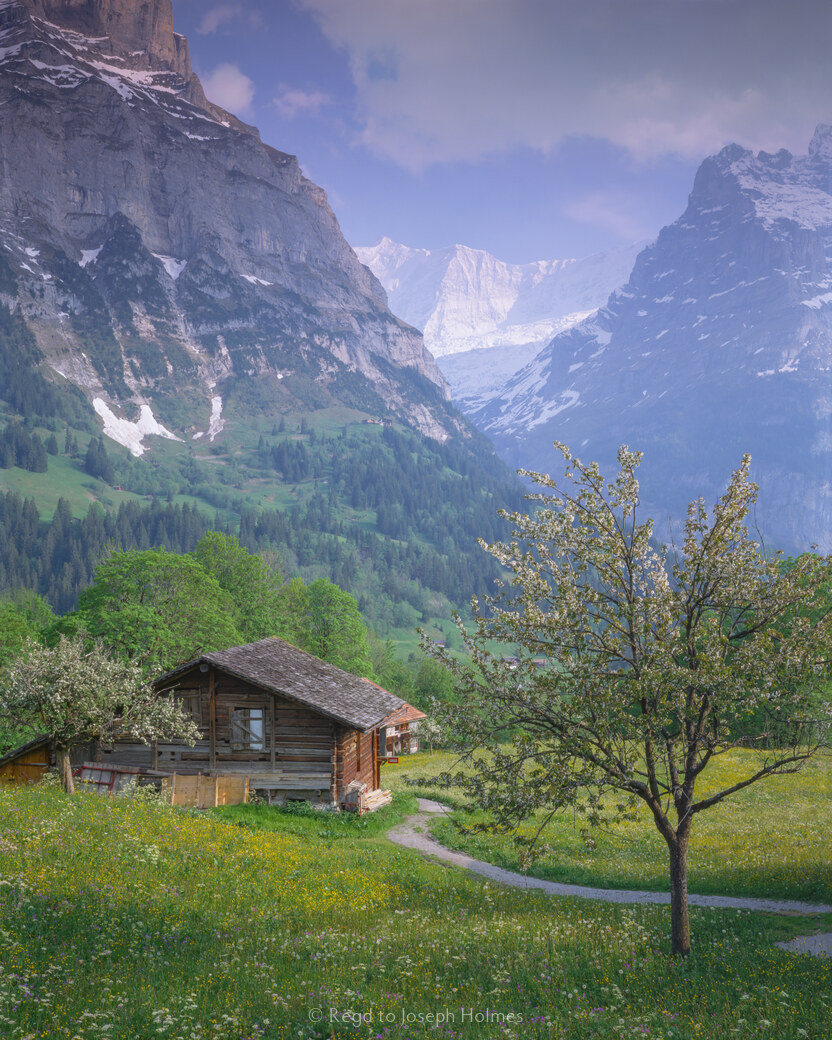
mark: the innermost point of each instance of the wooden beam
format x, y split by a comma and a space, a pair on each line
274, 731
335, 736
212, 719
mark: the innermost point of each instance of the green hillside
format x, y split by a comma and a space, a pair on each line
387, 514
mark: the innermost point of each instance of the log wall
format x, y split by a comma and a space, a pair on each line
298, 743
357, 759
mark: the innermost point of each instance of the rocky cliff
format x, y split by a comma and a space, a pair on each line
720, 344
167, 261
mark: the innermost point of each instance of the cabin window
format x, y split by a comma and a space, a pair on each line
357, 753
247, 729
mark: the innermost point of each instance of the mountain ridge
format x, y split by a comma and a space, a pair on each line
519, 305
719, 344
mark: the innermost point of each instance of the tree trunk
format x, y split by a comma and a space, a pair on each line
679, 921
65, 769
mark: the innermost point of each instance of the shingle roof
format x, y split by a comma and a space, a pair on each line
406, 713
279, 667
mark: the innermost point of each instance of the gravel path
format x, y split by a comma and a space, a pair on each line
414, 833
820, 945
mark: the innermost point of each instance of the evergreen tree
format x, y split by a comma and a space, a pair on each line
38, 461
20, 448
97, 461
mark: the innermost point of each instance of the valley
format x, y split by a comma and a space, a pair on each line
268, 571
386, 515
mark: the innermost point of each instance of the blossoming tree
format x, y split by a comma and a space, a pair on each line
657, 660
74, 692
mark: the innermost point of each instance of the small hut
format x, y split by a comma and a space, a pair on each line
26, 764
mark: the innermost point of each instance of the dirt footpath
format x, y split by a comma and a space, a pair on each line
414, 833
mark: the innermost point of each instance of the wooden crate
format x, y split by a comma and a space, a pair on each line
205, 792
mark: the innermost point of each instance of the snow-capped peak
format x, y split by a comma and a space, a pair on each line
464, 298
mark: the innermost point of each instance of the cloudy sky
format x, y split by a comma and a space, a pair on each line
534, 129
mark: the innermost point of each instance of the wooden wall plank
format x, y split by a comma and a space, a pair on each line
212, 719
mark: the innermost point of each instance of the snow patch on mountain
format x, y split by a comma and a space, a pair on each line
217, 423
131, 434
173, 266
89, 256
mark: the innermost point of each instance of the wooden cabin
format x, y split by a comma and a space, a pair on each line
296, 727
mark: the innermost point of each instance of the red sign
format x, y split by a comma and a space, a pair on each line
393, 761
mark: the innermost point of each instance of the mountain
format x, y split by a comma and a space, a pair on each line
719, 344
466, 301
169, 280
159, 257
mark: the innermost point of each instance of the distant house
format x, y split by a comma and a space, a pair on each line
397, 737
296, 727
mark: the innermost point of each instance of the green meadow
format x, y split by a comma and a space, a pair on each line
126, 920
770, 840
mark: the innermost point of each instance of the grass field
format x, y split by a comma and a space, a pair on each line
129, 921
65, 479
773, 839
